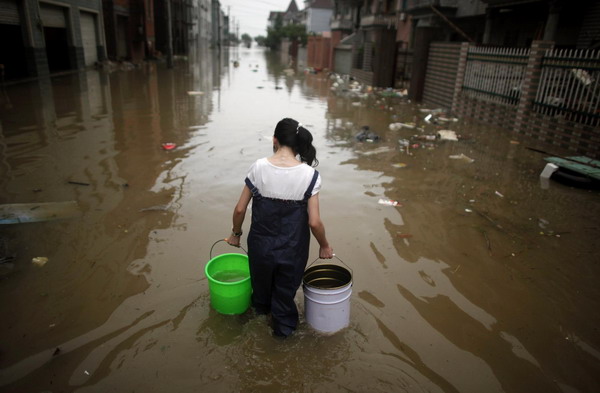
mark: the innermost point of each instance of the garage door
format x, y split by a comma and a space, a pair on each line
53, 16
9, 12
88, 36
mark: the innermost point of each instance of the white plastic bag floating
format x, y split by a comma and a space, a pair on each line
388, 202
447, 135
462, 157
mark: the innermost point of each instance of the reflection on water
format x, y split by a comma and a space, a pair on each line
478, 281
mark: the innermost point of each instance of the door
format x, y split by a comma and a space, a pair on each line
56, 36
12, 50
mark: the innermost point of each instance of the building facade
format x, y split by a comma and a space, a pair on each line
317, 15
39, 38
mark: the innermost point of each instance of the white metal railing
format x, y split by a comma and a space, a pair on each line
495, 74
569, 86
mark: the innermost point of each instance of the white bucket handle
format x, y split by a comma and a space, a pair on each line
351, 271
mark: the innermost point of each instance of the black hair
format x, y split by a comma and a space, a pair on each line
290, 133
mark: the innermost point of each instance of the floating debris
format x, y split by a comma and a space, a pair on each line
195, 93
388, 202
399, 165
398, 126
365, 135
379, 150
426, 137
447, 135
447, 119
17, 213
404, 142
462, 157
39, 261
169, 146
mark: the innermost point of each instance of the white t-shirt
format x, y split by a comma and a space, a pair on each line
288, 183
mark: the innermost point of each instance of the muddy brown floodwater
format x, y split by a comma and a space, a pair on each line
481, 281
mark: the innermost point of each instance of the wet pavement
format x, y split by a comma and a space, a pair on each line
478, 281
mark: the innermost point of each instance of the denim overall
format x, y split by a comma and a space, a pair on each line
278, 245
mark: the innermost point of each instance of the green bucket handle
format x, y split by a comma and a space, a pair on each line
223, 240
336, 257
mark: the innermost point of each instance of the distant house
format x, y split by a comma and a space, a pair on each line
292, 15
273, 17
318, 14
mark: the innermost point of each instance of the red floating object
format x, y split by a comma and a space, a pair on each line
169, 146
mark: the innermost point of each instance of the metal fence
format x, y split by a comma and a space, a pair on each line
495, 74
569, 86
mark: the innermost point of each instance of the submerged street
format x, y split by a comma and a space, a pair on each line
480, 280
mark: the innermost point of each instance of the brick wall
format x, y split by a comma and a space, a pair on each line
365, 77
496, 114
319, 52
568, 137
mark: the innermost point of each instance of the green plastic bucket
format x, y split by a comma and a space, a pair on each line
229, 283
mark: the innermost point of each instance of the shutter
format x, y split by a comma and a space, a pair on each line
53, 16
9, 12
88, 36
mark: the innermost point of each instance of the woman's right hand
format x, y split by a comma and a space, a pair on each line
326, 252
233, 240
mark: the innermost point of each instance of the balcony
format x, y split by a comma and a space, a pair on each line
419, 8
341, 24
378, 20
416, 4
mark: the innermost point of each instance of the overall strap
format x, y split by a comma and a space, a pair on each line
253, 189
309, 190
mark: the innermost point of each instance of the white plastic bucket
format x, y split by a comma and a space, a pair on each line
327, 290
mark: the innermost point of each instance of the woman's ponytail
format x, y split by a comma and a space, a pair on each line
291, 133
305, 148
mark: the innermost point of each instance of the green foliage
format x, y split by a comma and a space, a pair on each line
260, 40
247, 40
279, 32
295, 32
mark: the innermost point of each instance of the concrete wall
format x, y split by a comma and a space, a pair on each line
302, 58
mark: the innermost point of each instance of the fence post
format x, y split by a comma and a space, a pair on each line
460, 76
530, 84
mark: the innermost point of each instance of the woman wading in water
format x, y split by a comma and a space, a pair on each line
285, 209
